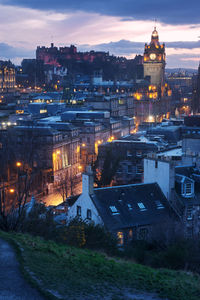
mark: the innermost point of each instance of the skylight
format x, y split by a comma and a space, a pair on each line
130, 206
114, 210
141, 206
159, 204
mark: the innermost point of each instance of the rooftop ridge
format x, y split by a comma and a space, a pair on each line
123, 186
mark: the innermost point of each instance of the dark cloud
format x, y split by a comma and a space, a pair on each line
166, 11
122, 47
126, 48
10, 52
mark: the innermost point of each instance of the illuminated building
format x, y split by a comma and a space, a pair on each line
154, 60
49, 152
7, 76
152, 99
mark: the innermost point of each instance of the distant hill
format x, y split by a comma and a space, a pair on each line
174, 70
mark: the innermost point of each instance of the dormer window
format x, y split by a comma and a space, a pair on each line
130, 206
188, 188
141, 206
114, 210
159, 205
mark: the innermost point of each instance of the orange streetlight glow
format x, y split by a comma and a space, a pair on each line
18, 164
11, 191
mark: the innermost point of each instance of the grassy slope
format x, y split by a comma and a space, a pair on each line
75, 272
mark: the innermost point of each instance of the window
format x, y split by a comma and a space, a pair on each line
139, 169
130, 234
130, 206
188, 189
159, 204
128, 154
141, 206
139, 153
120, 237
114, 210
189, 213
78, 210
89, 214
129, 168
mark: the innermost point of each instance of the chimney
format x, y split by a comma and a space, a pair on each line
88, 181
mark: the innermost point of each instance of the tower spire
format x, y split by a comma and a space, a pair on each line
155, 23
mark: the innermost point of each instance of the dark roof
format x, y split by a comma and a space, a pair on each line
185, 170
71, 200
125, 200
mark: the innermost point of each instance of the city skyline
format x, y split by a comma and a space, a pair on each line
120, 29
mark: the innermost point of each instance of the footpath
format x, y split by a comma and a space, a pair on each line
12, 284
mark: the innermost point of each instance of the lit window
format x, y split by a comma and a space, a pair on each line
159, 204
120, 237
141, 206
78, 210
114, 210
89, 214
130, 234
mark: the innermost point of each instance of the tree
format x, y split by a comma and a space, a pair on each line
17, 178
66, 185
109, 169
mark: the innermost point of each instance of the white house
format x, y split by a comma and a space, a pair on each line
127, 210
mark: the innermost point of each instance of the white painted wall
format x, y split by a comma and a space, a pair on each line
85, 202
163, 175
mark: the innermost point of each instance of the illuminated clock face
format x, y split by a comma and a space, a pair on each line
152, 56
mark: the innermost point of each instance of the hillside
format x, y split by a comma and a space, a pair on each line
72, 273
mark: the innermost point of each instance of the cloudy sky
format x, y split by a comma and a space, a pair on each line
118, 26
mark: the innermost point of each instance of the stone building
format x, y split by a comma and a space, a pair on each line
7, 76
154, 60
51, 153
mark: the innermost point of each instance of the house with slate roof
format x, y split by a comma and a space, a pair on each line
181, 185
129, 211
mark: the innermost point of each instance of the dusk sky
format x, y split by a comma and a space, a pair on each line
118, 26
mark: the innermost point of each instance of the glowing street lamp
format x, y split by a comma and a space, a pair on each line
11, 191
18, 164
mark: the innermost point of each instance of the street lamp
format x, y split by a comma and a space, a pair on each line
18, 164
11, 191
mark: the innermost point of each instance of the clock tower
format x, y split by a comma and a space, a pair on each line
154, 60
